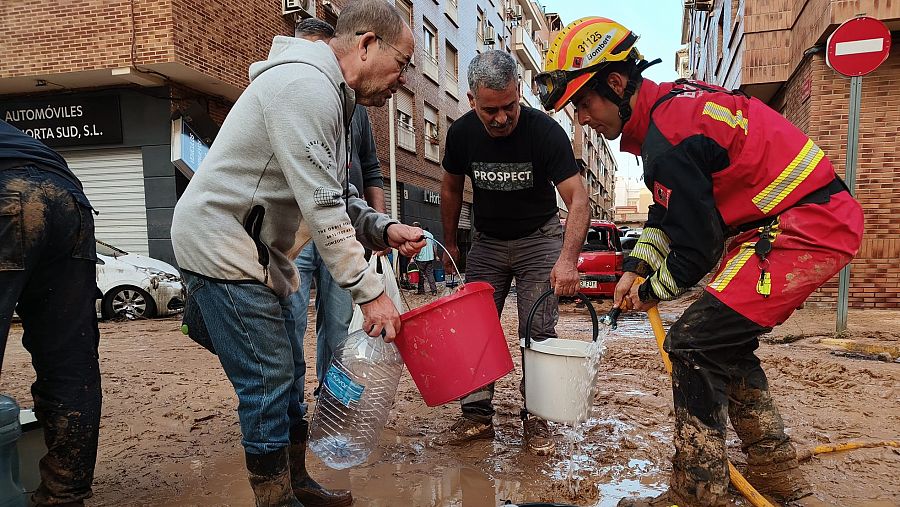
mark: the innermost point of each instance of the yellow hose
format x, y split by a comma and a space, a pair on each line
660, 333
826, 448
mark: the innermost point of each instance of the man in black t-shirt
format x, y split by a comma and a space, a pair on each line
517, 158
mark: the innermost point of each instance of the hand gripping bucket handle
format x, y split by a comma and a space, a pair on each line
531, 314
545, 295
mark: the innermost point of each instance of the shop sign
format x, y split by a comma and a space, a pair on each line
432, 197
188, 150
67, 121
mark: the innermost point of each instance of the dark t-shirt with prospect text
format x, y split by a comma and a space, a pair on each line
513, 177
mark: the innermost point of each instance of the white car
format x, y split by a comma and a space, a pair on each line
134, 286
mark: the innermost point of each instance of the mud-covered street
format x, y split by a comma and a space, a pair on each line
170, 435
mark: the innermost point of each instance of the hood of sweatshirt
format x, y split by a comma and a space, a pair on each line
292, 50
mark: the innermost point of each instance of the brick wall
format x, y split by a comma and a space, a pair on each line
63, 36
219, 39
875, 273
222, 38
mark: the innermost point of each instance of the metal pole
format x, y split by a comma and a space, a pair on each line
392, 156
850, 179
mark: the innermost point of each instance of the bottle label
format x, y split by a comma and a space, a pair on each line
340, 385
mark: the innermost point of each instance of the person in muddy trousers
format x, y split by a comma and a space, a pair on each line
719, 164
517, 159
276, 177
48, 272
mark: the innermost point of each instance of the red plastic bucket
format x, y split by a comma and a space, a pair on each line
455, 344
413, 277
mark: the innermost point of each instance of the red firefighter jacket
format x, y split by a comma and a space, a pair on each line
716, 161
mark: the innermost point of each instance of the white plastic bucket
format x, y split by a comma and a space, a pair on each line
560, 378
559, 374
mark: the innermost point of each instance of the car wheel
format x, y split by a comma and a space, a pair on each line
128, 302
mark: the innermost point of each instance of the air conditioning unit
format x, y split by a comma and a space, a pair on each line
489, 35
515, 12
699, 5
302, 8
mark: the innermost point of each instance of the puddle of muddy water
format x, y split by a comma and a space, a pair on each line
381, 484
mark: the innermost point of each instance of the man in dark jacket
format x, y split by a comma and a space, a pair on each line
48, 276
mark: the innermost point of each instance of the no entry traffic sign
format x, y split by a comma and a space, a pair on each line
858, 46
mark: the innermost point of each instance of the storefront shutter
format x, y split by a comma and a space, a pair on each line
113, 180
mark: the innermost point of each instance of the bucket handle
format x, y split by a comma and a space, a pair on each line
455, 267
545, 295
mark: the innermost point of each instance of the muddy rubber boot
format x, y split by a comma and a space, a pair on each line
772, 466
699, 469
306, 489
270, 479
466, 430
537, 436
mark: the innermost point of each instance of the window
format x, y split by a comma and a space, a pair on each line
451, 70
430, 43
479, 27
451, 9
406, 130
406, 10
432, 135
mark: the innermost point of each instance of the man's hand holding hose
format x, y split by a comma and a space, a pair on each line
626, 294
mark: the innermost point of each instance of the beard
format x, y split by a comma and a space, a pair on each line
371, 95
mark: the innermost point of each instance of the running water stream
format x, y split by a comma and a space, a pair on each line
584, 387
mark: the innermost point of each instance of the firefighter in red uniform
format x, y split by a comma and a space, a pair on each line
720, 165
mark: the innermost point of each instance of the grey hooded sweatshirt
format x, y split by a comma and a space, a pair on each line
276, 176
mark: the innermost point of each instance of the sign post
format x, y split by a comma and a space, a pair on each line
856, 48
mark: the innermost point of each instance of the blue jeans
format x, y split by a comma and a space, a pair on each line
252, 330
334, 309
48, 274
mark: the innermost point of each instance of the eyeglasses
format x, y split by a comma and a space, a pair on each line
407, 59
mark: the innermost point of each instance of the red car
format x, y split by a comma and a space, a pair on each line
600, 262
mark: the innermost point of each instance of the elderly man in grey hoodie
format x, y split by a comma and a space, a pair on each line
276, 177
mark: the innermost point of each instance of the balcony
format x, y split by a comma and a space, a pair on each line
527, 51
531, 11
406, 136
430, 67
451, 84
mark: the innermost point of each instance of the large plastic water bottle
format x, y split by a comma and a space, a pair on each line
11, 492
353, 406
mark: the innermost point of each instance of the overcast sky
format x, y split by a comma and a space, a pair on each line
657, 22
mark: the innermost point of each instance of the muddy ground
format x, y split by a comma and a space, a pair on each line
170, 435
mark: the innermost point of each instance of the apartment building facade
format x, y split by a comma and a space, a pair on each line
774, 50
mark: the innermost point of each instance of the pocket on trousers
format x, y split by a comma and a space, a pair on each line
552, 229
85, 244
192, 320
12, 239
